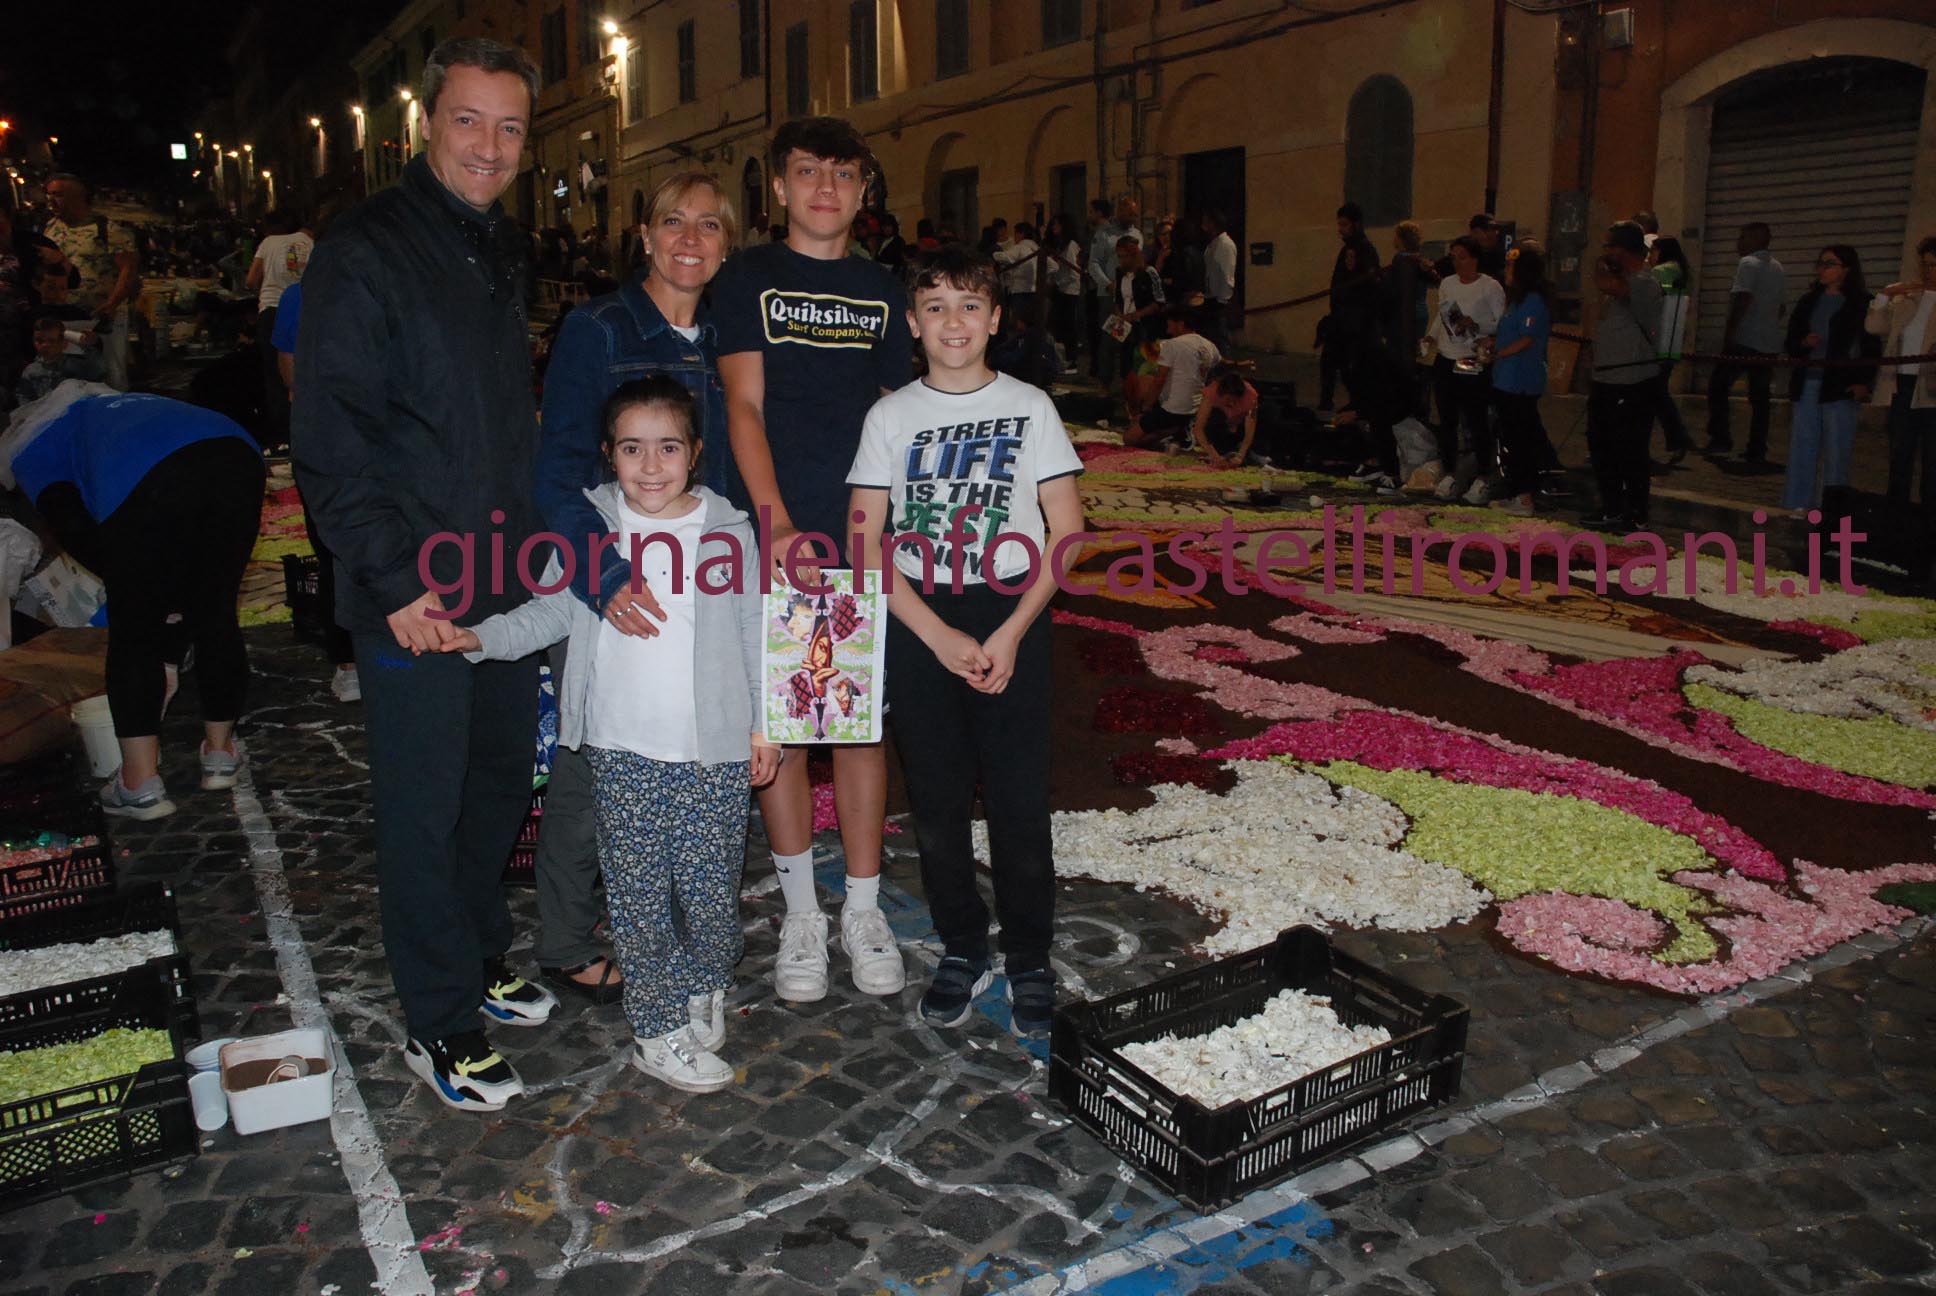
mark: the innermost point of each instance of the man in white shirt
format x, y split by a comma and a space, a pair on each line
1183, 364
1102, 278
1219, 278
1753, 329
1021, 269
279, 262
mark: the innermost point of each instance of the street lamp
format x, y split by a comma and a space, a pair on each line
404, 91
316, 122
611, 28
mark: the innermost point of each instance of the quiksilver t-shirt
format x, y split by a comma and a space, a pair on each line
937, 454
833, 335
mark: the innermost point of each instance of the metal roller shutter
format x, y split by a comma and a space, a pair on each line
1823, 152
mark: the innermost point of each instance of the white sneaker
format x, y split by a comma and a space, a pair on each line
345, 685
1477, 493
1447, 488
682, 1062
873, 951
219, 768
708, 1015
800, 972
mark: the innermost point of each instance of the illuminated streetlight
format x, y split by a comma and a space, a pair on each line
356, 109
405, 92
316, 122
234, 154
198, 135
265, 175
611, 28
248, 148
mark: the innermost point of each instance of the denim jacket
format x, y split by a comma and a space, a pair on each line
606, 342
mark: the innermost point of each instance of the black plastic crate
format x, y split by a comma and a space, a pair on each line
521, 869
301, 576
79, 874
149, 908
56, 1143
1207, 1157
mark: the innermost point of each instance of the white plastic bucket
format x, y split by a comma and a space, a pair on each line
92, 717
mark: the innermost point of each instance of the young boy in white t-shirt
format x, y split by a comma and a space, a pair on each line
971, 477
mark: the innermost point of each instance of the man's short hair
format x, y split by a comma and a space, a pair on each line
478, 52
1352, 212
1480, 221
1129, 241
1758, 231
1102, 207
1470, 244
1628, 237
833, 138
49, 323
68, 177
1180, 313
1647, 220
1411, 235
958, 266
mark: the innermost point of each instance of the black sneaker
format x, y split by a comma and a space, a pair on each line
1605, 522
1031, 1001
510, 1000
464, 1071
951, 995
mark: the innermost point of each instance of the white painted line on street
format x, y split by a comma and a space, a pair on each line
379, 1202
1163, 1244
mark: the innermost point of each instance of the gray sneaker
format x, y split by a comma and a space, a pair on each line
149, 801
219, 767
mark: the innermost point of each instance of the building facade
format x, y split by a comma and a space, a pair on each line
1558, 117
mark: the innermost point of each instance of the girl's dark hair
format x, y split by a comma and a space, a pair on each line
656, 392
1230, 383
1470, 244
1927, 246
1852, 285
1668, 248
1528, 272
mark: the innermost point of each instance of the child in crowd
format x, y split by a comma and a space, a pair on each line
1183, 362
664, 722
51, 365
809, 337
1138, 320
968, 658
1026, 348
1519, 375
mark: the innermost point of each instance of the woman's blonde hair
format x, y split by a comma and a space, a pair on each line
673, 190
1410, 235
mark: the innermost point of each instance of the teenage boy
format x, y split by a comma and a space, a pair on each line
809, 337
964, 468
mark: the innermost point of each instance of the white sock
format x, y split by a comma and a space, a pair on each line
863, 893
796, 881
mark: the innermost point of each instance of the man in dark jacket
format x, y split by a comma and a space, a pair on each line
414, 438
1354, 281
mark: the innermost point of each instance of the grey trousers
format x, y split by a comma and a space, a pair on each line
567, 865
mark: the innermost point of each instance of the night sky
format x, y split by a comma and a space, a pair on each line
118, 80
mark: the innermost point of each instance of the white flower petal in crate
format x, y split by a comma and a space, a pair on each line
1295, 1035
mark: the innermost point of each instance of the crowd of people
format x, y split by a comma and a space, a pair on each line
1488, 341
765, 405
827, 395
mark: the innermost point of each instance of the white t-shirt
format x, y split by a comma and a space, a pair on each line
936, 453
283, 258
641, 697
1189, 359
690, 332
1018, 264
1068, 278
1468, 312
1916, 336
1220, 268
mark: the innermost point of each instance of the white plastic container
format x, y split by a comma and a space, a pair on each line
286, 1102
92, 718
211, 1105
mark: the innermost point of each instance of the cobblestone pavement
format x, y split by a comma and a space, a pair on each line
1604, 1139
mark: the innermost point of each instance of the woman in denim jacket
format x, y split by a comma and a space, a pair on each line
652, 325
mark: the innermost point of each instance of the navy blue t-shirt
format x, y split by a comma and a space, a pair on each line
833, 334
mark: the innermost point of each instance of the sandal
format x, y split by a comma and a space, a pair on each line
607, 989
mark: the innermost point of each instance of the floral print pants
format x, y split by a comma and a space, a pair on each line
671, 843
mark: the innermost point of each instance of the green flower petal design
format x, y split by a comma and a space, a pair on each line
1517, 843
1877, 747
1881, 624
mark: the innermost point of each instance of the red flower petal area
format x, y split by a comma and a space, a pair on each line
1834, 638
1129, 710
1385, 740
1146, 769
1643, 697
1111, 656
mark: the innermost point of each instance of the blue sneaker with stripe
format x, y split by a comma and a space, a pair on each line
464, 1071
